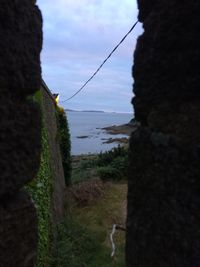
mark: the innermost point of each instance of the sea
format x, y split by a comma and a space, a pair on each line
87, 135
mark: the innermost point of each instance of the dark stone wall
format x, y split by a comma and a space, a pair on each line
49, 109
20, 76
163, 224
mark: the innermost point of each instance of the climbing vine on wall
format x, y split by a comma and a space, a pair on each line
65, 145
41, 191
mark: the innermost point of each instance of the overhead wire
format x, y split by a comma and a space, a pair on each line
83, 86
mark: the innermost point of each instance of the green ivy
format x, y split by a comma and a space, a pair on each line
40, 190
65, 145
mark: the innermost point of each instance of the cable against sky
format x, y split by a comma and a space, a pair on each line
122, 40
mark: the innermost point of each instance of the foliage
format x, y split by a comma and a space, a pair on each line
121, 164
113, 164
76, 245
106, 158
82, 174
110, 165
41, 191
109, 173
83, 237
84, 169
65, 145
88, 164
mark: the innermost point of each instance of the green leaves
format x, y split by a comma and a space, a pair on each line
40, 190
65, 144
113, 164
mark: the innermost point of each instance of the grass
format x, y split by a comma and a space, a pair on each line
83, 239
84, 168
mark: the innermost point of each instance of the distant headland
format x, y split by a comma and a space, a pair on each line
72, 110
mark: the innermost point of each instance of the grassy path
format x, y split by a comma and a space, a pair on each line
100, 217
92, 207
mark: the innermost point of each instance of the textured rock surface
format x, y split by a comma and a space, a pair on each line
18, 231
20, 45
55, 156
20, 76
163, 225
19, 143
167, 56
163, 203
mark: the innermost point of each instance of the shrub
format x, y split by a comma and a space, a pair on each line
107, 157
109, 173
121, 163
87, 164
87, 192
65, 145
113, 164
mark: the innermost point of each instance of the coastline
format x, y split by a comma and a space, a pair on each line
93, 132
114, 130
123, 129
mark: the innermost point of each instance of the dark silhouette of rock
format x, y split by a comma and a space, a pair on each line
19, 143
165, 57
163, 222
20, 76
20, 46
163, 202
18, 231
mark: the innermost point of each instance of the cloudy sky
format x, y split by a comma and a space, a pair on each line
78, 36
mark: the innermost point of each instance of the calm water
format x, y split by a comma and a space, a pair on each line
87, 124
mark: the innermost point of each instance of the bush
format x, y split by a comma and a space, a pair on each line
87, 192
121, 163
109, 173
113, 164
88, 164
65, 145
107, 157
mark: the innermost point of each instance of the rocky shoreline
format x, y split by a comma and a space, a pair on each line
124, 129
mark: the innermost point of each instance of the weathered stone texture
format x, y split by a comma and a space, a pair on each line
20, 76
163, 225
166, 60
18, 231
19, 143
55, 156
163, 202
20, 46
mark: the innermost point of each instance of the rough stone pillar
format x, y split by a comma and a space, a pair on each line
20, 77
163, 225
